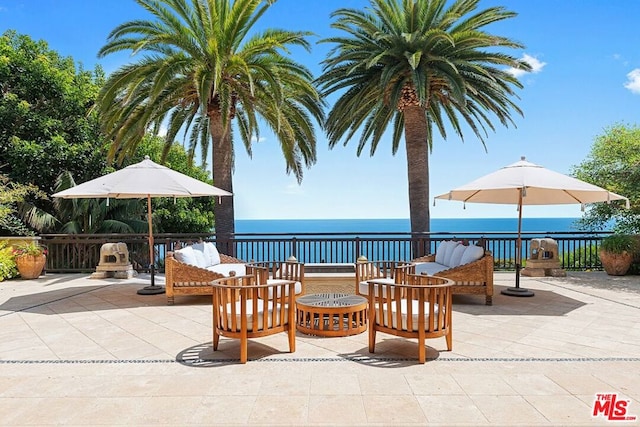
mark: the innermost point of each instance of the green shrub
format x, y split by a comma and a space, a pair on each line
581, 258
619, 243
8, 269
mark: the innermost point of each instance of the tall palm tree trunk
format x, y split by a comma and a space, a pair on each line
222, 164
415, 133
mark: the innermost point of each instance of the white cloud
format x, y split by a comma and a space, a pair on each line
261, 139
293, 188
633, 81
535, 63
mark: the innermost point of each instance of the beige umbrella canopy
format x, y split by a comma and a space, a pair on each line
525, 183
143, 180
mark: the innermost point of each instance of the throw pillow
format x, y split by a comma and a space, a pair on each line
456, 257
447, 255
201, 247
442, 248
186, 255
201, 260
215, 255
472, 253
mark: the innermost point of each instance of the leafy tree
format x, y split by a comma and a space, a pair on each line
46, 123
50, 139
419, 64
200, 71
45, 114
614, 164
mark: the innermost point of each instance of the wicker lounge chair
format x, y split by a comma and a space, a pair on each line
187, 279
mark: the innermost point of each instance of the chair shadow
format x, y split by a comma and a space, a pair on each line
203, 356
543, 303
391, 352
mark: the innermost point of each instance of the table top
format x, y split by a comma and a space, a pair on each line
330, 300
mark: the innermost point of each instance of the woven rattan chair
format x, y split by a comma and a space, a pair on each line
244, 309
420, 307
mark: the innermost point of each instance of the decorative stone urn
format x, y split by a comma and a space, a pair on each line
616, 264
31, 266
617, 252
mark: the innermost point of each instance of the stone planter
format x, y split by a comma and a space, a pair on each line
616, 264
30, 266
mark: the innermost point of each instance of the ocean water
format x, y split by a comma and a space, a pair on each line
374, 246
402, 225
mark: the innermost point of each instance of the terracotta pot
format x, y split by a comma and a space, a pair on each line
616, 264
30, 266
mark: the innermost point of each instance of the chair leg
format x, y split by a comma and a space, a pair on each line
292, 338
216, 339
422, 350
243, 349
372, 338
449, 338
489, 300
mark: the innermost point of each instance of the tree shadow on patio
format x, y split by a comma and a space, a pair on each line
544, 303
82, 298
600, 280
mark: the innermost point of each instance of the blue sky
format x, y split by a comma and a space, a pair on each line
586, 57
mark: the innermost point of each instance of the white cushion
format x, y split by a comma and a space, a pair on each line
297, 287
430, 268
257, 316
471, 254
213, 253
201, 259
442, 248
363, 287
449, 252
415, 305
456, 256
199, 247
226, 268
186, 255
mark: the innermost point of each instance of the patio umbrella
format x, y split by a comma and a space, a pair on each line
525, 183
143, 180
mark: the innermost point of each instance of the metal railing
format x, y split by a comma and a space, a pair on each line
81, 253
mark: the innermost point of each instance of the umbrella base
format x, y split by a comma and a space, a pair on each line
151, 290
517, 292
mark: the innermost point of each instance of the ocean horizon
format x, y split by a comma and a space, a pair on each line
402, 225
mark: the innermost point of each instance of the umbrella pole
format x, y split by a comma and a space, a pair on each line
152, 289
517, 291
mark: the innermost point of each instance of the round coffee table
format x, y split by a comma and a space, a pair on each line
331, 314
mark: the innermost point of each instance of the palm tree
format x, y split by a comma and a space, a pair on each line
419, 64
202, 69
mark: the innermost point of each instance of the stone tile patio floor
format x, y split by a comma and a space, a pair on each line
75, 351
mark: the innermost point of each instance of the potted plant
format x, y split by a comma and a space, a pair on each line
30, 259
617, 252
